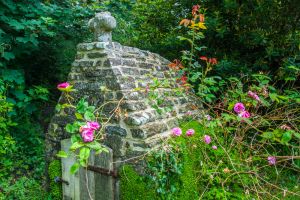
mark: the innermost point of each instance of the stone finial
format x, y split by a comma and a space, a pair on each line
102, 25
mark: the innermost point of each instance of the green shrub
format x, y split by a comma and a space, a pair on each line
22, 189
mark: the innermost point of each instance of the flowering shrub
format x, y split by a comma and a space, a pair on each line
85, 131
248, 145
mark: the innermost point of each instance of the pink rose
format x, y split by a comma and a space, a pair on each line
188, 113
253, 95
239, 107
63, 86
285, 127
147, 88
176, 131
272, 160
214, 147
87, 135
208, 117
190, 132
207, 139
93, 125
244, 114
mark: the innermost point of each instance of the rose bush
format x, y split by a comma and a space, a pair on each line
246, 145
86, 131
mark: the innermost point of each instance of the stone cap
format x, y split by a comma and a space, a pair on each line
102, 25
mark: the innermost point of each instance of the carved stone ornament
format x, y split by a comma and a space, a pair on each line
102, 25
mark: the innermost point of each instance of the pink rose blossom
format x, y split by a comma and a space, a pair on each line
285, 127
207, 139
147, 88
176, 131
272, 160
190, 132
188, 113
208, 117
253, 95
62, 86
239, 107
93, 125
87, 135
214, 147
244, 114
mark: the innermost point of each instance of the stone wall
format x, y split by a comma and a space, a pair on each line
105, 73
110, 76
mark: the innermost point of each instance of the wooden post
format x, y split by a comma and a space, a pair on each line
86, 184
103, 182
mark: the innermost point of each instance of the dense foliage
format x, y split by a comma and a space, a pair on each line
36, 48
248, 147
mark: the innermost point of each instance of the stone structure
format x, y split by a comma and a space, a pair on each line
106, 72
102, 25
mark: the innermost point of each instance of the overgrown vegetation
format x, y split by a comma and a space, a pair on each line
247, 143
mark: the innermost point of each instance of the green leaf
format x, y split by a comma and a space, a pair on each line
74, 168
184, 38
94, 145
74, 138
78, 116
76, 145
267, 135
81, 106
62, 154
297, 135
58, 107
89, 116
286, 137
84, 153
274, 97
8, 55
71, 128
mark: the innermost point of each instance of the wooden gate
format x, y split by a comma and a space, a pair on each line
96, 182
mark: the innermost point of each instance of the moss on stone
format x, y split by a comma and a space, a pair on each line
54, 170
135, 187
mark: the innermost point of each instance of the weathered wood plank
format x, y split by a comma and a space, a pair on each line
86, 184
68, 190
104, 183
87, 181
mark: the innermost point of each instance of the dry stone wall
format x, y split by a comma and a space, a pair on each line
108, 74
105, 73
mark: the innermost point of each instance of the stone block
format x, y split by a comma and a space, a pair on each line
85, 46
134, 106
116, 71
106, 63
172, 123
93, 55
130, 71
146, 65
128, 62
83, 63
79, 56
138, 133
154, 128
115, 130
100, 45
116, 143
140, 144
115, 61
